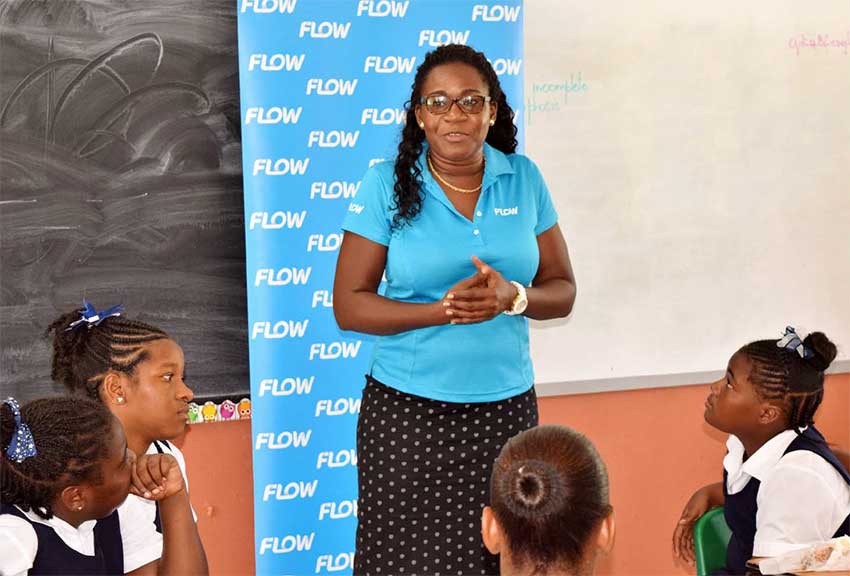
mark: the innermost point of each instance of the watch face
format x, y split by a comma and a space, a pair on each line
521, 300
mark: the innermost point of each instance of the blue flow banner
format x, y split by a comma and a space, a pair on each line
323, 87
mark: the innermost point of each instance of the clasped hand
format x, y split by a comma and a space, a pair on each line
156, 477
480, 297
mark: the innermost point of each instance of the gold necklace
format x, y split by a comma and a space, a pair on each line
455, 188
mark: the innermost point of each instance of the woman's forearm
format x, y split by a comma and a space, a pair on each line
369, 313
550, 299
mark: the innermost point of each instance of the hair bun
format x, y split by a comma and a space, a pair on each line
824, 350
66, 343
533, 485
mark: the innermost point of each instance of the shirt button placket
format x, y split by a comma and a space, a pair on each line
476, 223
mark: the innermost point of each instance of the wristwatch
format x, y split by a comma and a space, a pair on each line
520, 302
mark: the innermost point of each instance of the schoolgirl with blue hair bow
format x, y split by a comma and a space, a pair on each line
65, 468
137, 371
783, 487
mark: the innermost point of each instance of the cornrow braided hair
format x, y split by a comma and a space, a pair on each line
72, 436
83, 356
781, 374
502, 135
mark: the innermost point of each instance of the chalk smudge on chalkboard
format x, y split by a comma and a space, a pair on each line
120, 179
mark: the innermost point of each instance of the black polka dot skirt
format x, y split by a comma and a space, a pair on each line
424, 478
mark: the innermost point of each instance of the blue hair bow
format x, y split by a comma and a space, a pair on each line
791, 341
91, 317
22, 445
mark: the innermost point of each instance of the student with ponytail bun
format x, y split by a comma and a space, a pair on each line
783, 487
138, 372
549, 510
65, 467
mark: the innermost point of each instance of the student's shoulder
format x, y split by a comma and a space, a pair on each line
18, 544
808, 466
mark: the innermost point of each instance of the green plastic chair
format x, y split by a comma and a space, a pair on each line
711, 536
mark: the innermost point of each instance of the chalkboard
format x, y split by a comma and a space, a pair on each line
120, 180
699, 157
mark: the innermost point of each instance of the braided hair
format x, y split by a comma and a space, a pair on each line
549, 493
83, 356
72, 436
781, 374
502, 135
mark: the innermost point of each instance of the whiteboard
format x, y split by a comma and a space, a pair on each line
699, 157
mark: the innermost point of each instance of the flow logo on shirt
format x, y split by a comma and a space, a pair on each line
507, 211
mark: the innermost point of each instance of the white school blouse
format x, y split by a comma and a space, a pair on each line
802, 499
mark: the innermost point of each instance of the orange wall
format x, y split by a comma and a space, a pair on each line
656, 445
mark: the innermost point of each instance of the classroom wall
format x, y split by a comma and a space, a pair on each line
656, 445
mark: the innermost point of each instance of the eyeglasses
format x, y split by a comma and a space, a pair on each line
440, 104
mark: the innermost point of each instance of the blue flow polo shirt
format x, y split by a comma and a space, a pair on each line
481, 362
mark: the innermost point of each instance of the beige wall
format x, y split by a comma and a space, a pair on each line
656, 445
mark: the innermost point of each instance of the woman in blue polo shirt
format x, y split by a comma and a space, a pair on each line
467, 235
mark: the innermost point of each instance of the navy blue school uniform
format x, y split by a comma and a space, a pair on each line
139, 541
54, 556
741, 508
